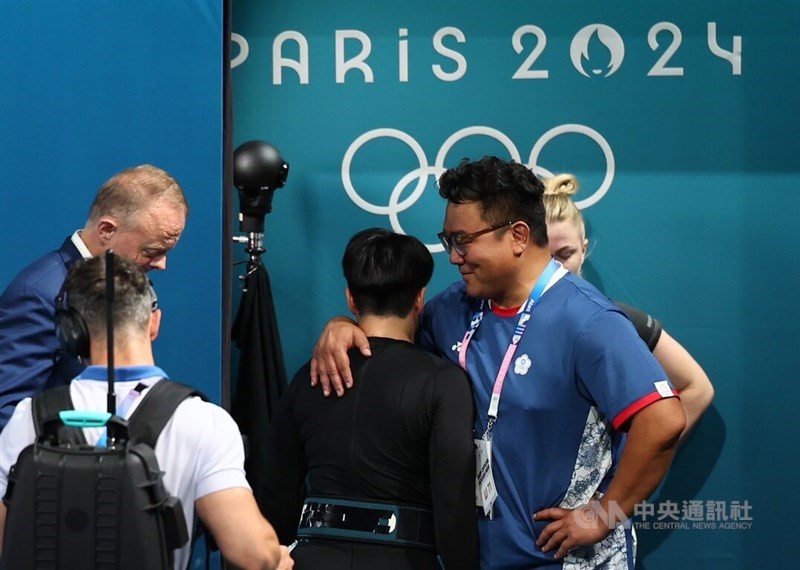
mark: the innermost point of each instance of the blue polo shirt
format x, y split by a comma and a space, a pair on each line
579, 373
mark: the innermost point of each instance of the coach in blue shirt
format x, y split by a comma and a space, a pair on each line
559, 375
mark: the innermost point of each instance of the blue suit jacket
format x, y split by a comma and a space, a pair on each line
31, 358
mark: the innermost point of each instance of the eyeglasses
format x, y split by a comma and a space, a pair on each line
458, 241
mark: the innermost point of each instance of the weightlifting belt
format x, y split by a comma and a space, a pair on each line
367, 522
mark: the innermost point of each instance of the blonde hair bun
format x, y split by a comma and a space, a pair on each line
561, 184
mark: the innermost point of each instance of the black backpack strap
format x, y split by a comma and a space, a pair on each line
46, 405
156, 409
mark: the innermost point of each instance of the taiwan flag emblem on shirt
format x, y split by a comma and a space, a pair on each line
522, 364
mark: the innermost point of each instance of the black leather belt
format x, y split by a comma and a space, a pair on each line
367, 522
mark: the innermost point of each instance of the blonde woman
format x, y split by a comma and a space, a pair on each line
566, 233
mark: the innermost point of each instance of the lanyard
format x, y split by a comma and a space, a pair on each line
124, 407
522, 324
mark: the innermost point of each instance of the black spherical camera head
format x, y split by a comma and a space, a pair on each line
258, 170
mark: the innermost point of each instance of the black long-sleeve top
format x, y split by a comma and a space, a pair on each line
647, 326
402, 434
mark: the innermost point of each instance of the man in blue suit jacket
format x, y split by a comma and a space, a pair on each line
140, 213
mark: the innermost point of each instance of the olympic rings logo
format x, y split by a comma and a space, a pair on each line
420, 174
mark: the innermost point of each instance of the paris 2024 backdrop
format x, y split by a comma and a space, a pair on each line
679, 118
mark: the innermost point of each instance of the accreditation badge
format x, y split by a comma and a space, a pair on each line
485, 490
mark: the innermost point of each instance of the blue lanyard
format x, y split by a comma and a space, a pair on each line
124, 407
522, 324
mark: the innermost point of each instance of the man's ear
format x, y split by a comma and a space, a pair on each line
520, 235
351, 303
106, 228
155, 324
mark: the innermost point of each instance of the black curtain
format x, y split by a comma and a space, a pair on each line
262, 375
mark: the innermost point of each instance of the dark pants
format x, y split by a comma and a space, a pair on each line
313, 554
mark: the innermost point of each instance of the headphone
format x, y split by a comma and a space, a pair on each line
71, 328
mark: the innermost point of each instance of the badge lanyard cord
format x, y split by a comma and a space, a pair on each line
494, 402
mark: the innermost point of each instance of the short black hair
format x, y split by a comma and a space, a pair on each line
506, 190
85, 290
385, 271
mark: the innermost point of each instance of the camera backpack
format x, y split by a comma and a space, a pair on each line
75, 506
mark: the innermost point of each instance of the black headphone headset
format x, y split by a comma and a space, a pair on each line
71, 328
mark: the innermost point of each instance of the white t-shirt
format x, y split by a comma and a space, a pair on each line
200, 449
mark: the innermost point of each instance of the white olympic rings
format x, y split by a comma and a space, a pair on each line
396, 206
